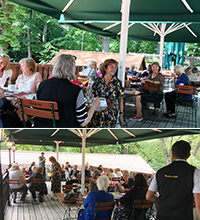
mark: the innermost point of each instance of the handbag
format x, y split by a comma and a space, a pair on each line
72, 195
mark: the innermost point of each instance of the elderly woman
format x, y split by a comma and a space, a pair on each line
70, 99
110, 88
93, 183
137, 192
55, 178
5, 71
154, 77
29, 80
126, 183
170, 97
16, 174
93, 197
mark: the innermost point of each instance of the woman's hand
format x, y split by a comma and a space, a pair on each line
96, 103
20, 116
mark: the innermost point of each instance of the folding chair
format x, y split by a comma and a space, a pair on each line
103, 206
38, 185
190, 103
152, 87
37, 108
15, 182
140, 204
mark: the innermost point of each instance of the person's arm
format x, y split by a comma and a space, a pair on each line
22, 179
121, 106
151, 196
197, 203
121, 188
38, 80
95, 104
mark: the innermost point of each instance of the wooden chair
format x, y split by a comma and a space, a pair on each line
103, 206
15, 182
141, 204
68, 188
190, 103
37, 108
82, 79
152, 87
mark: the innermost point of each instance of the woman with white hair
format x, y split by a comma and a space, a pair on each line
70, 99
93, 197
170, 97
16, 174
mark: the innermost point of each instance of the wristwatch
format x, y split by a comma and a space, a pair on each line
121, 113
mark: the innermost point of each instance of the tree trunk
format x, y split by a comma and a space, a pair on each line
105, 44
196, 149
163, 140
44, 36
29, 36
127, 149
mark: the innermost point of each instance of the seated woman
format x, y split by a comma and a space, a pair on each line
70, 99
93, 197
126, 183
137, 192
110, 88
154, 77
41, 187
111, 173
29, 80
170, 97
5, 70
93, 183
16, 174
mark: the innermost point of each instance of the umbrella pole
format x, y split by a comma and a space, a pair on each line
123, 40
57, 148
161, 50
83, 161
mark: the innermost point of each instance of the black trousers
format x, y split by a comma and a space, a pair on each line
25, 188
170, 98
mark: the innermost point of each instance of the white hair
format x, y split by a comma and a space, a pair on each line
103, 183
179, 68
91, 62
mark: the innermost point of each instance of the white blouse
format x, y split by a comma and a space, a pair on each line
6, 74
28, 84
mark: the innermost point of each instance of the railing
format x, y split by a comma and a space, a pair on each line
44, 69
4, 194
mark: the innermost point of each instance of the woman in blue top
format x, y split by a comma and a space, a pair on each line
94, 197
170, 97
137, 192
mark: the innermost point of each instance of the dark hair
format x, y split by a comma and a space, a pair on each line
140, 183
157, 64
181, 149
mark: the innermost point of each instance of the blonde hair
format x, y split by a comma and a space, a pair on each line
127, 172
15, 166
29, 62
5, 58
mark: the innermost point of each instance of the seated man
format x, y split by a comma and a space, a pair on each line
91, 70
41, 187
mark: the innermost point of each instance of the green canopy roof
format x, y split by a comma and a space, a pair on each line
73, 137
107, 12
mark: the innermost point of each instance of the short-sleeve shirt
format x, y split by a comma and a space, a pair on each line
15, 175
6, 75
130, 184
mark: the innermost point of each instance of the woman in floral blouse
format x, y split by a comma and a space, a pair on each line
109, 87
56, 177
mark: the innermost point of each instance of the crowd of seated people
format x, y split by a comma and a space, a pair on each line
64, 88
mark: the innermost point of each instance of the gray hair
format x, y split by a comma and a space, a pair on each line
91, 62
103, 183
189, 68
96, 173
179, 68
64, 67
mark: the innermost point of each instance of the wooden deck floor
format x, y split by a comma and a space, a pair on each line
30, 210
184, 118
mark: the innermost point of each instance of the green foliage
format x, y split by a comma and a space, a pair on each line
186, 64
193, 49
151, 61
197, 64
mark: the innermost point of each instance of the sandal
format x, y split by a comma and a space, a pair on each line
166, 113
171, 115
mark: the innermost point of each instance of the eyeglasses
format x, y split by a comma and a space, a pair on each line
3, 55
